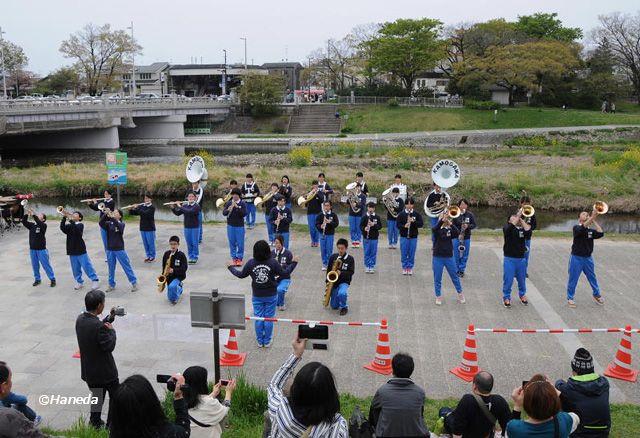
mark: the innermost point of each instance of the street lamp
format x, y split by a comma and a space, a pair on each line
224, 74
133, 65
245, 51
4, 75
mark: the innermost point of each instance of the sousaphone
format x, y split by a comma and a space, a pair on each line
196, 171
446, 174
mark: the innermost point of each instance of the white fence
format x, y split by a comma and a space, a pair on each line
438, 102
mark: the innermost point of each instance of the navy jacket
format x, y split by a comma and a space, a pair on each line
235, 216
465, 218
37, 232
75, 242
178, 263
362, 203
330, 228
412, 232
285, 221
314, 206
285, 257
514, 238
587, 396
147, 217
263, 275
346, 270
443, 246
534, 224
583, 240
109, 203
191, 214
286, 191
374, 231
325, 191
269, 204
115, 233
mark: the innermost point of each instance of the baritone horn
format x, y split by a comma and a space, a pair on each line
601, 207
303, 200
221, 201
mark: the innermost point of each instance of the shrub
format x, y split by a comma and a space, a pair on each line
346, 130
536, 141
300, 156
393, 103
209, 159
482, 105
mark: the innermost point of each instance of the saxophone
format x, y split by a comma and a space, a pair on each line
162, 279
332, 277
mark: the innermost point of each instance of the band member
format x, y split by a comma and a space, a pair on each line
191, 213
77, 250
514, 264
235, 210
340, 292
435, 197
392, 229
147, 213
356, 210
38, 246
233, 184
465, 223
280, 219
361, 183
284, 257
402, 188
408, 223
109, 203
199, 191
326, 224
314, 208
249, 192
581, 260
324, 188
114, 226
533, 223
286, 190
177, 269
445, 232
370, 225
263, 270
269, 204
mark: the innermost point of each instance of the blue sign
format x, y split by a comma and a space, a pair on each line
117, 175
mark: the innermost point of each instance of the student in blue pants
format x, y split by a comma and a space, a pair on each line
326, 224
113, 224
408, 223
370, 225
268, 205
514, 263
263, 270
437, 196
235, 210
147, 212
77, 250
286, 190
283, 256
356, 210
314, 208
38, 246
280, 219
197, 188
444, 232
250, 191
10, 399
392, 215
465, 223
340, 290
177, 270
109, 203
581, 260
191, 212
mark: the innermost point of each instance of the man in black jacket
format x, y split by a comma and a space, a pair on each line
177, 269
587, 394
340, 292
97, 340
38, 246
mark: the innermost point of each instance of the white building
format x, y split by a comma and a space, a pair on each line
149, 79
434, 80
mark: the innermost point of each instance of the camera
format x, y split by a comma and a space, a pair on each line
170, 382
115, 311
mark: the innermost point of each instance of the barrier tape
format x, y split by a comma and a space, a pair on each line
555, 331
305, 321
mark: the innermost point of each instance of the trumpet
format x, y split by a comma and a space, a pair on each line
178, 203
60, 210
527, 210
90, 201
302, 200
601, 207
24, 202
221, 201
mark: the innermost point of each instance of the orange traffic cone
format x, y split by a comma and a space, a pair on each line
76, 355
381, 362
230, 355
469, 366
620, 368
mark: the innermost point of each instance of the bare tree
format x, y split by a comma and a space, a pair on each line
100, 54
621, 32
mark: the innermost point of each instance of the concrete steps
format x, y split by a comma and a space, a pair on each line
315, 119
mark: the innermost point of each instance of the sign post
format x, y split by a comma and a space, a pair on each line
117, 171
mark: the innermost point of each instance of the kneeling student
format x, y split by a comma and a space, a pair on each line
177, 269
340, 292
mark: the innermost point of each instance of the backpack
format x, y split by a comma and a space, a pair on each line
359, 426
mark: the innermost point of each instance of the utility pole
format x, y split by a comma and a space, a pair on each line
245, 51
224, 74
4, 74
133, 65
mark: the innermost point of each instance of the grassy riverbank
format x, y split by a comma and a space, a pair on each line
382, 118
558, 175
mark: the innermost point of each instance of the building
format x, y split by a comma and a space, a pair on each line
434, 80
149, 79
289, 70
206, 79
499, 94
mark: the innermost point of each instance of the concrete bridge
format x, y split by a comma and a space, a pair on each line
98, 123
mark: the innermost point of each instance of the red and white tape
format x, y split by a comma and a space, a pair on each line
311, 322
556, 331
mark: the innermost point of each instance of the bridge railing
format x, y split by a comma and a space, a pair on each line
438, 102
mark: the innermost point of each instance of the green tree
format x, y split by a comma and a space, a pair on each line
59, 81
406, 47
543, 26
261, 94
100, 54
14, 62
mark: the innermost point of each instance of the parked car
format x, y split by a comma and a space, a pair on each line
86, 99
148, 96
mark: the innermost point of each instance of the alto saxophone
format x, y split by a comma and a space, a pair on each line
332, 277
162, 279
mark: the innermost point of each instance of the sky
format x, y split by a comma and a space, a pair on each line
179, 30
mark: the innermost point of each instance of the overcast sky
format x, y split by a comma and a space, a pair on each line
178, 30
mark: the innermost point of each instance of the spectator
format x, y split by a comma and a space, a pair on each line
477, 413
312, 408
15, 425
587, 394
205, 410
398, 405
96, 341
541, 402
11, 399
137, 412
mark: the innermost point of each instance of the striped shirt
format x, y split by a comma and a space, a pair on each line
284, 425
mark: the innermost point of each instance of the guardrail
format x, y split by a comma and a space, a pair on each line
438, 102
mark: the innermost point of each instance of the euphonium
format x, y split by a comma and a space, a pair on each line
453, 211
221, 201
162, 279
601, 207
332, 277
302, 200
266, 197
390, 202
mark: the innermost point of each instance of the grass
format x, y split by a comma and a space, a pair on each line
383, 119
250, 401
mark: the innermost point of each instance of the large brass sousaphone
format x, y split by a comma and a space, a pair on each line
446, 174
196, 171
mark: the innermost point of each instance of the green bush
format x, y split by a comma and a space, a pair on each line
300, 156
536, 141
482, 105
346, 130
393, 103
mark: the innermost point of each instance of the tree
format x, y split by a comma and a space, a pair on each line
14, 61
541, 26
622, 36
261, 94
100, 54
59, 81
406, 47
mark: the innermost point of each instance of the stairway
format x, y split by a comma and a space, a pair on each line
316, 118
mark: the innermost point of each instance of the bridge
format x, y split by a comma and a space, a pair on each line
98, 123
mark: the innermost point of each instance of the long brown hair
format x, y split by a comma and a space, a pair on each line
541, 399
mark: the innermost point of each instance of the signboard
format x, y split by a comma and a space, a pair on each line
116, 168
231, 310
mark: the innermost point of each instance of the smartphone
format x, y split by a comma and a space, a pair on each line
162, 378
317, 332
224, 382
524, 383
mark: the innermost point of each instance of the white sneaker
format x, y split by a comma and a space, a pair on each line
269, 344
438, 301
134, 287
78, 286
283, 307
95, 285
324, 268
110, 289
372, 271
461, 299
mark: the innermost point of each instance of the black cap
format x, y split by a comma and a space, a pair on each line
582, 362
